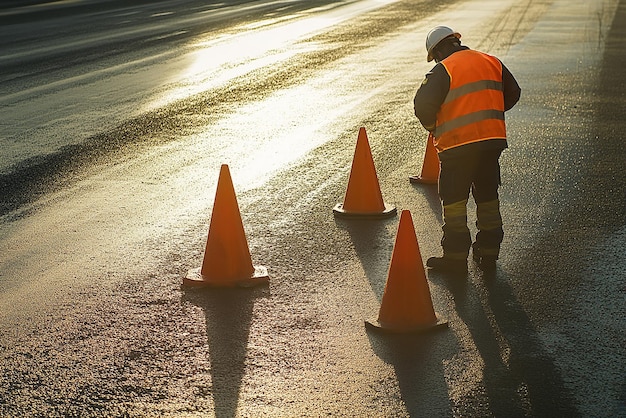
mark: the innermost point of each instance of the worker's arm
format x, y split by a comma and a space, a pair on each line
511, 89
430, 95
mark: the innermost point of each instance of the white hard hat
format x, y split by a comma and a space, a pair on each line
436, 35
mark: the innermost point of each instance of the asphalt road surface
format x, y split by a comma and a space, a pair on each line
115, 118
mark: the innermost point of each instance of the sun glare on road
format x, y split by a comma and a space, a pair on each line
214, 61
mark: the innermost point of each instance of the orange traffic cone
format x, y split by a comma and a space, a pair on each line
406, 305
227, 261
430, 166
363, 198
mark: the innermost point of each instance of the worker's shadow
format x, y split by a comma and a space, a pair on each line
228, 315
519, 377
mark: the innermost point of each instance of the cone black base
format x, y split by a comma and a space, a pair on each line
375, 325
388, 212
422, 180
195, 279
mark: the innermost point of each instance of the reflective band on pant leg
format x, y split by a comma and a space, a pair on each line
488, 214
456, 239
455, 216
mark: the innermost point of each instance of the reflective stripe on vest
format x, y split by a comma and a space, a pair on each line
473, 110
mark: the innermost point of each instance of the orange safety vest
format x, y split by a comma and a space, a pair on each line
473, 110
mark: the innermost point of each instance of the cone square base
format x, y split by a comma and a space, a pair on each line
195, 279
376, 325
422, 180
388, 212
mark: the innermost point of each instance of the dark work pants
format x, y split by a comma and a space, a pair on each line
475, 168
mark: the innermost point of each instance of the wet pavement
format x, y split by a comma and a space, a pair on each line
96, 238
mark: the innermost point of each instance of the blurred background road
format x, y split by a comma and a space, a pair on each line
115, 118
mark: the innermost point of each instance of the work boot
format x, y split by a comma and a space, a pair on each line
447, 264
486, 263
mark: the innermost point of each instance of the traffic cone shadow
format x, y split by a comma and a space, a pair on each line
227, 261
430, 166
363, 198
228, 315
406, 305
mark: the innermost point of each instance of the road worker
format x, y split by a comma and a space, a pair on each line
462, 101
